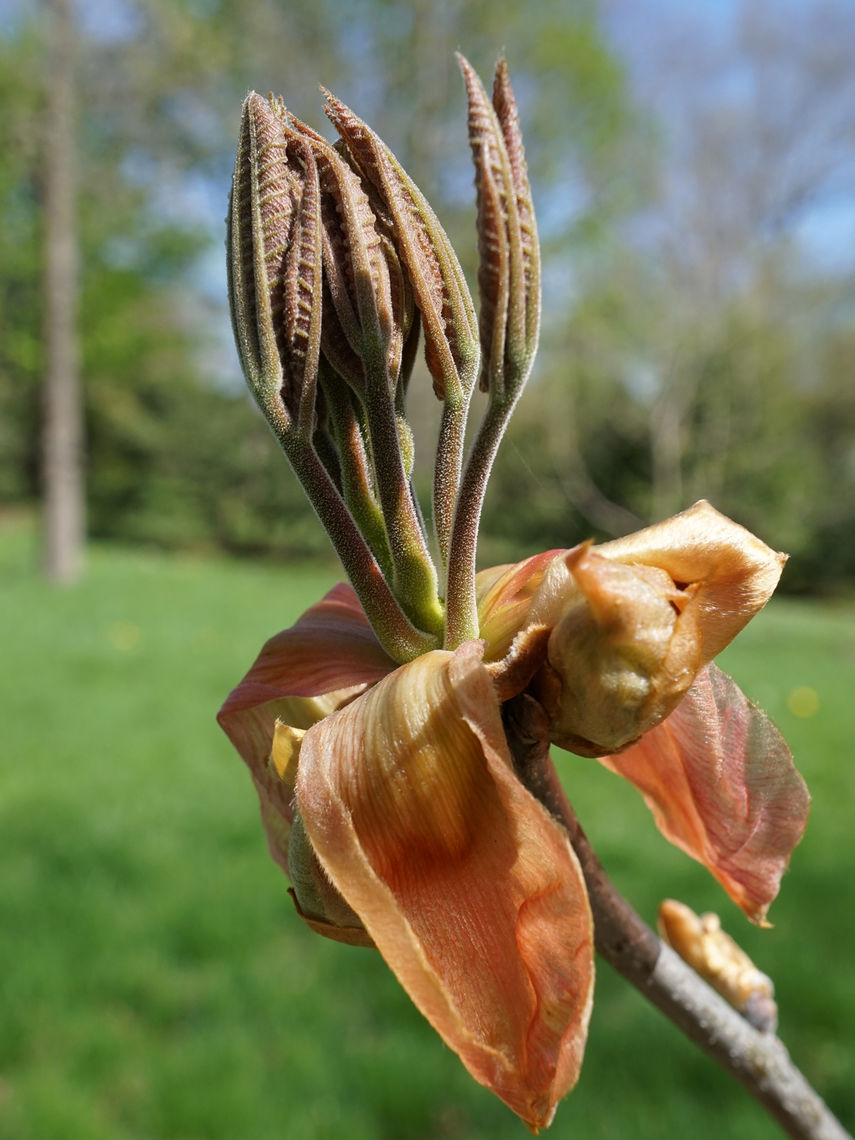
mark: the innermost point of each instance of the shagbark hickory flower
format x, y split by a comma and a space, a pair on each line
376, 728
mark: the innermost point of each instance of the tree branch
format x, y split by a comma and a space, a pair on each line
759, 1060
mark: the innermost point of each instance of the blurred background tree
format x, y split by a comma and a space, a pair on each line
695, 179
705, 351
64, 491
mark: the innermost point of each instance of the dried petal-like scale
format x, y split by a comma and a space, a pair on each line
721, 783
688, 584
465, 883
736, 572
504, 596
300, 676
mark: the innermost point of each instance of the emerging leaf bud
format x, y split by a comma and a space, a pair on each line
615, 635
318, 902
323, 314
619, 658
442, 296
509, 267
274, 262
359, 331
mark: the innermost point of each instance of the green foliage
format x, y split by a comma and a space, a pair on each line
753, 411
170, 459
154, 978
650, 390
20, 272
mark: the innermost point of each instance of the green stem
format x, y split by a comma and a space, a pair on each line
446, 473
461, 623
327, 453
396, 633
356, 477
414, 579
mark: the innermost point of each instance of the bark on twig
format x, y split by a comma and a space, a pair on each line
759, 1060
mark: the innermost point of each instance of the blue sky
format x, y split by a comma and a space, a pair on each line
704, 35
640, 30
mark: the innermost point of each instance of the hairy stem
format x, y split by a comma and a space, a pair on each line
356, 479
446, 475
461, 622
413, 573
397, 634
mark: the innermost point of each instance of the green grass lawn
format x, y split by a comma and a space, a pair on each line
154, 980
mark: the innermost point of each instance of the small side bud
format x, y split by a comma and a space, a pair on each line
317, 901
701, 942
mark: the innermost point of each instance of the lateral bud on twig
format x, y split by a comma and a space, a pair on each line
703, 945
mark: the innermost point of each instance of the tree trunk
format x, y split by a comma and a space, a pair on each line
62, 430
